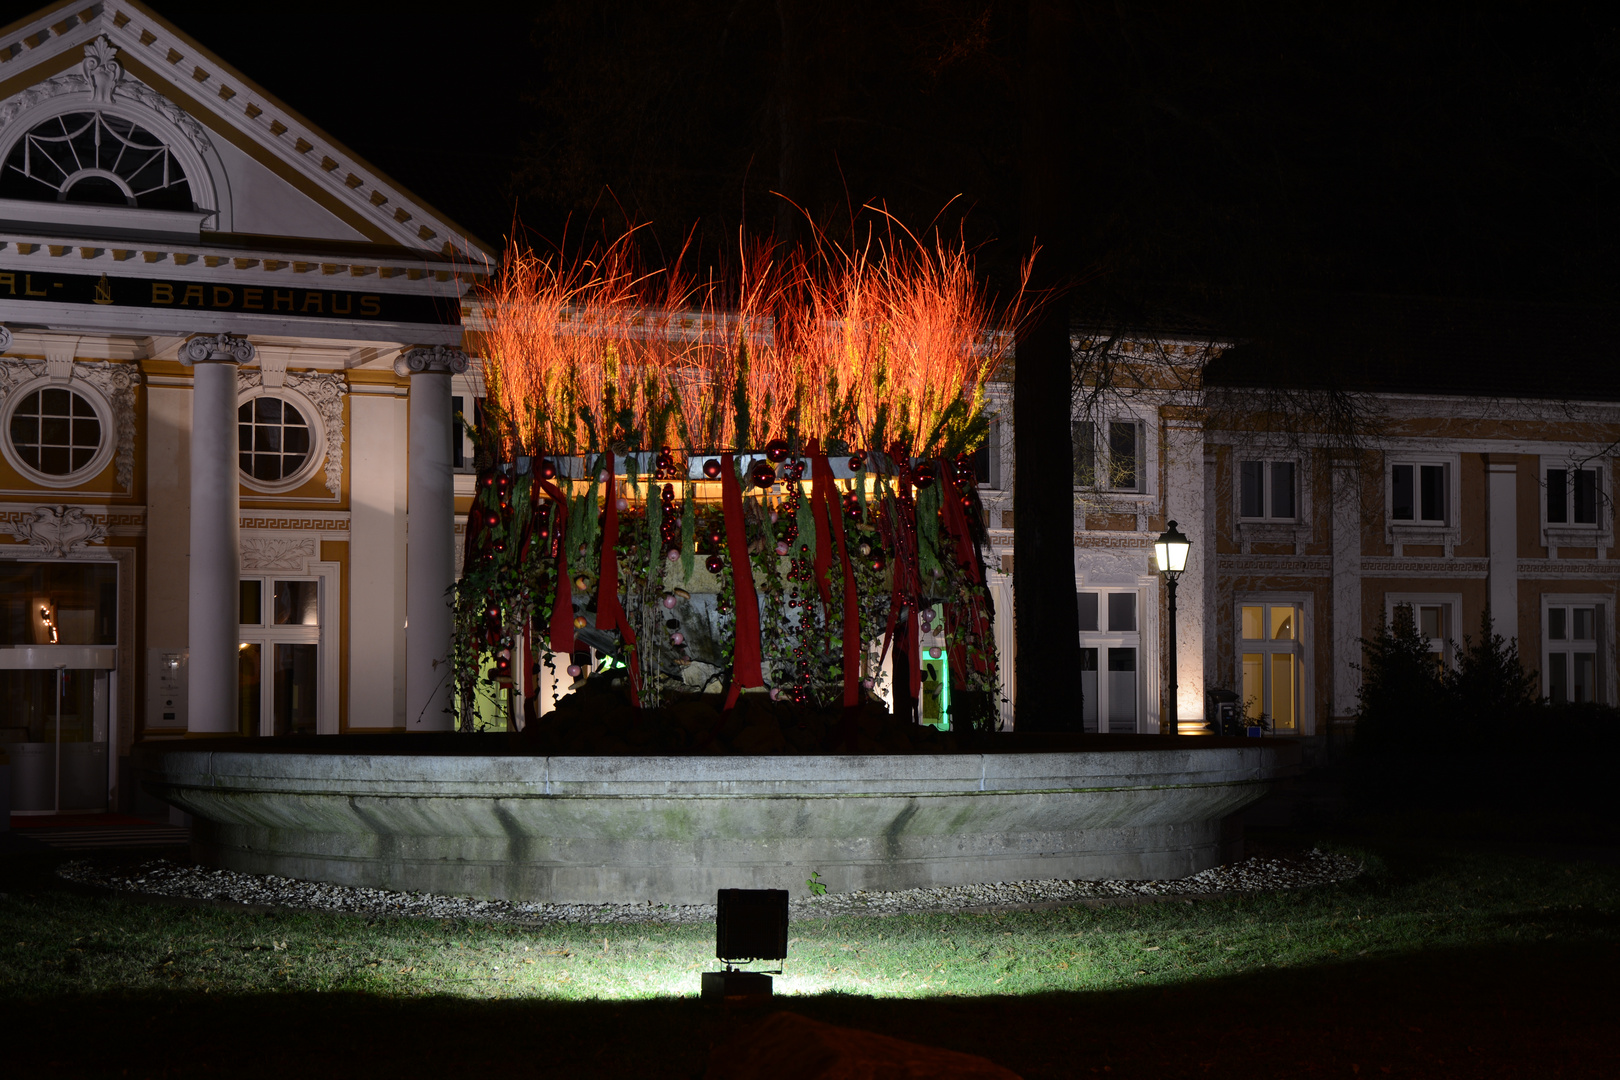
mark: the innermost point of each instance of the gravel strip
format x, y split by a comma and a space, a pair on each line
163, 878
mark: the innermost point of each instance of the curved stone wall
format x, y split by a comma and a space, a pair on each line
675, 829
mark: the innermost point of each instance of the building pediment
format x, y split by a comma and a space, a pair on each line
255, 169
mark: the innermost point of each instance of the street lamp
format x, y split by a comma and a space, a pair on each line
1170, 552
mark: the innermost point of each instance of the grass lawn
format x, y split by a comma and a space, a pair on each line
1449, 957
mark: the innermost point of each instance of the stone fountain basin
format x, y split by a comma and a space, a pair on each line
672, 830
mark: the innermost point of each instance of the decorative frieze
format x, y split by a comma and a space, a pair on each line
1584, 569
1398, 567
278, 553
331, 525
1295, 565
56, 531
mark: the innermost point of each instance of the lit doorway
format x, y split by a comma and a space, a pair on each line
1272, 665
279, 670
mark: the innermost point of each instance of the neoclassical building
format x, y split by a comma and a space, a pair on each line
226, 380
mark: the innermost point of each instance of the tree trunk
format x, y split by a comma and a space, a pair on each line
1048, 629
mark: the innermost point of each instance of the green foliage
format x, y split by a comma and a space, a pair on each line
814, 883
1402, 696
1488, 684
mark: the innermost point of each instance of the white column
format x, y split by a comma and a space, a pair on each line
430, 538
377, 452
1504, 547
1184, 501
215, 554
1346, 585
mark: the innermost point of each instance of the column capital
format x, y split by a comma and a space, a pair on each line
5, 338
217, 349
434, 360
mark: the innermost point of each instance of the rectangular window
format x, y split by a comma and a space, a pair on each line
987, 458
458, 433
1121, 691
1087, 602
1121, 612
1571, 672
1567, 486
1083, 440
1267, 490
1418, 493
1270, 664
1122, 470
1432, 621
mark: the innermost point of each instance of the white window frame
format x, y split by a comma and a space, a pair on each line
1146, 454
1106, 637
1417, 530
317, 440
1302, 647
104, 415
1448, 642
1603, 628
1266, 516
322, 636
1571, 533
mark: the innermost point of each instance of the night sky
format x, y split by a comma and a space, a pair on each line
1219, 152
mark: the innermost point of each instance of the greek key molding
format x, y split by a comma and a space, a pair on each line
1092, 540
330, 525
437, 360
279, 553
1391, 566
325, 391
1586, 569
1299, 565
115, 383
217, 348
103, 79
56, 531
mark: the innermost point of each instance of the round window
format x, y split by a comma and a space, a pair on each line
273, 439
55, 431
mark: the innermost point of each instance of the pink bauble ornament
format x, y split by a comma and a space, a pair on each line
677, 638
669, 600
573, 671
936, 652
674, 554
623, 504
781, 547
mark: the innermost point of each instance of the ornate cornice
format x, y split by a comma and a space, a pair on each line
56, 531
103, 79
437, 360
217, 349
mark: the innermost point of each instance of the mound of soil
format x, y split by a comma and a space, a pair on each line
598, 719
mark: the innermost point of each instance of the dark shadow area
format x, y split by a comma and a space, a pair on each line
1536, 1010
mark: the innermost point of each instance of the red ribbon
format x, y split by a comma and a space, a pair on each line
609, 614
822, 481
562, 608
745, 651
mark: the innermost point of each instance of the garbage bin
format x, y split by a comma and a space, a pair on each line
1221, 706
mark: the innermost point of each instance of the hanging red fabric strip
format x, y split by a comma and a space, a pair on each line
822, 480
609, 613
562, 606
745, 651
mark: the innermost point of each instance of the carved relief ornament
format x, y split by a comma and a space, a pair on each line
437, 360
276, 553
102, 77
56, 531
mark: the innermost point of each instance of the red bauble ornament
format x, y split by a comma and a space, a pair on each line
548, 469
924, 476
776, 451
762, 475
714, 564
669, 493
711, 469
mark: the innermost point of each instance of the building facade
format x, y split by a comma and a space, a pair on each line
225, 389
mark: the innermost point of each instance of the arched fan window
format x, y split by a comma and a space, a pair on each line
96, 158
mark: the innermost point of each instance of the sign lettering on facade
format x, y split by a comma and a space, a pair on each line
293, 302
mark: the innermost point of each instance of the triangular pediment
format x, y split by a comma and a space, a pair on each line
257, 170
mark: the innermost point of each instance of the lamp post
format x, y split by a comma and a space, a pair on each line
1170, 552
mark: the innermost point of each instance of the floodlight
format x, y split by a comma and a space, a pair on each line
750, 924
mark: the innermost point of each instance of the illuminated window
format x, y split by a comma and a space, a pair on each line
1271, 668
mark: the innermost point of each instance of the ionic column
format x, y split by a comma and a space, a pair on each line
215, 556
430, 537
